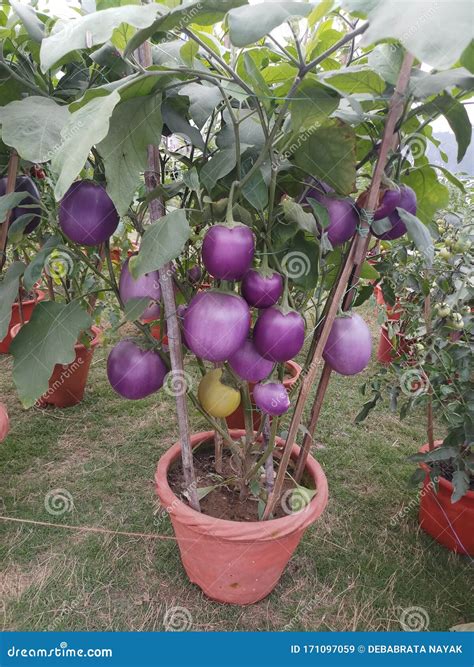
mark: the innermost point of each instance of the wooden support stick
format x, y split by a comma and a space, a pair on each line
348, 279
11, 182
157, 211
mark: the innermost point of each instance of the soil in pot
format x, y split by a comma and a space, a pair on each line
29, 301
450, 524
224, 502
237, 562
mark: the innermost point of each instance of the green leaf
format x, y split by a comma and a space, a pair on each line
431, 195
329, 154
35, 267
217, 167
368, 272
294, 212
202, 12
173, 116
17, 228
424, 85
255, 191
386, 60
419, 234
33, 127
321, 9
135, 307
363, 294
134, 125
467, 58
163, 241
457, 117
203, 99
85, 128
250, 23
461, 484
203, 491
30, 20
7, 202
8, 293
250, 130
313, 102
46, 340
355, 79
93, 29
436, 34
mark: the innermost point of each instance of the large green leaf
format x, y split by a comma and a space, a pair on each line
203, 99
419, 234
163, 241
173, 112
48, 339
250, 130
355, 79
94, 29
217, 167
312, 103
7, 202
202, 12
300, 261
33, 127
386, 60
329, 154
423, 85
8, 293
250, 23
435, 32
430, 193
294, 212
457, 117
30, 20
133, 126
85, 128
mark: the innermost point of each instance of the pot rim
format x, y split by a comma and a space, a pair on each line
442, 481
295, 370
239, 530
95, 341
40, 296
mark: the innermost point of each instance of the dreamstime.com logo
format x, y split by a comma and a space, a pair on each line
296, 264
58, 502
414, 502
69, 369
295, 500
59, 265
177, 619
61, 651
177, 383
414, 619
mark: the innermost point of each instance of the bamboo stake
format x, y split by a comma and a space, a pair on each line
348, 278
11, 182
429, 407
157, 211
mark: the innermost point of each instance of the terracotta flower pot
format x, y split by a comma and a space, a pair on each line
27, 307
231, 561
237, 419
155, 331
379, 295
68, 381
450, 524
388, 350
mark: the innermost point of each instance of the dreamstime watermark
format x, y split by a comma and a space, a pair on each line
65, 609
292, 148
184, 21
59, 265
177, 383
295, 500
66, 373
414, 619
296, 264
414, 502
414, 382
67, 133
416, 144
177, 619
58, 502
164, 512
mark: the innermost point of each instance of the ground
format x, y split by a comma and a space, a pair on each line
360, 567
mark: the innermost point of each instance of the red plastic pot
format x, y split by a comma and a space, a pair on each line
450, 524
237, 418
231, 561
388, 350
379, 295
155, 331
27, 307
68, 381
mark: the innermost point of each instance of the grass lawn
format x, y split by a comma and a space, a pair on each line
354, 570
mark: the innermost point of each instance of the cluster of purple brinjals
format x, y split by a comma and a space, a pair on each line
216, 324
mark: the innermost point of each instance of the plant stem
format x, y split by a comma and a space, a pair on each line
11, 182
